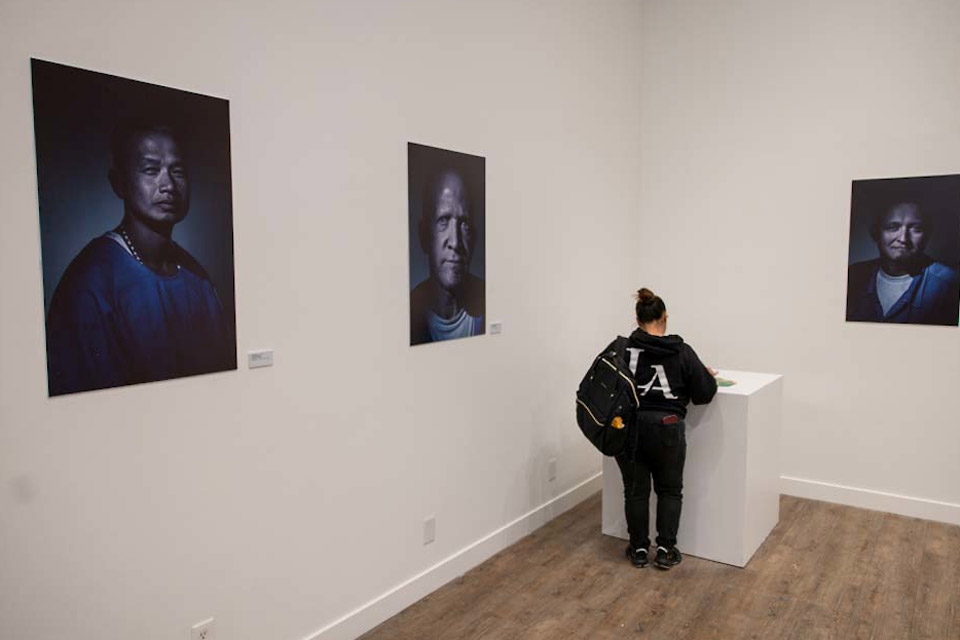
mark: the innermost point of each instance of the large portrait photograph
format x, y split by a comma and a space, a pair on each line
447, 263
136, 230
904, 260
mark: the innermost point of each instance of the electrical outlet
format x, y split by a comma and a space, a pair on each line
552, 470
429, 530
203, 631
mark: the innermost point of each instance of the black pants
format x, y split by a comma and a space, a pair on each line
658, 450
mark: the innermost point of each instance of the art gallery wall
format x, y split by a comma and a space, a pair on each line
291, 500
755, 118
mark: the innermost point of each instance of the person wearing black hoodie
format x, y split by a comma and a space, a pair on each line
668, 376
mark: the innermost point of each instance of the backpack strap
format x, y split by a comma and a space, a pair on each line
620, 347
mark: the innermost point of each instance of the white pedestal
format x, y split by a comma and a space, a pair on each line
731, 496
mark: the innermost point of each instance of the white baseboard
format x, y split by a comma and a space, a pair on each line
869, 499
369, 615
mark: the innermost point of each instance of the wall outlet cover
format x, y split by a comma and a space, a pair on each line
203, 631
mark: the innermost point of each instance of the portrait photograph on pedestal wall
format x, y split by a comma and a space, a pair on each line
904, 259
446, 214
136, 230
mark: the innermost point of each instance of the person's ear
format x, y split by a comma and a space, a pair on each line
116, 182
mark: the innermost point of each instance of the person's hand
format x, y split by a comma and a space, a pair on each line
713, 371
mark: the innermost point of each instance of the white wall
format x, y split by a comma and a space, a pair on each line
281, 500
756, 116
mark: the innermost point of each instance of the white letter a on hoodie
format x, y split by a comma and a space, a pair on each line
659, 375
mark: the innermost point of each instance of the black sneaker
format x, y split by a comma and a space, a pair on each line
638, 557
667, 558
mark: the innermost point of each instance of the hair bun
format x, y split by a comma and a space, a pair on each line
645, 296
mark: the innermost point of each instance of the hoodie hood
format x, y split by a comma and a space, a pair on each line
659, 346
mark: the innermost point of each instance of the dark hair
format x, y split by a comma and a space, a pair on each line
131, 130
880, 216
650, 306
877, 198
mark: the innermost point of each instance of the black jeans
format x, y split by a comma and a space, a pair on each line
658, 450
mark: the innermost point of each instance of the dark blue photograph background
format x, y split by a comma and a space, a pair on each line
75, 113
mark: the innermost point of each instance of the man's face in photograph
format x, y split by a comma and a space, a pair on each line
902, 234
152, 180
450, 232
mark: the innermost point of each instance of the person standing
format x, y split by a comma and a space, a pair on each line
668, 376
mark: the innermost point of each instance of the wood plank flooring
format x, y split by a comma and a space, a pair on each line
826, 572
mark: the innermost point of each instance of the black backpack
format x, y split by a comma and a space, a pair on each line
607, 400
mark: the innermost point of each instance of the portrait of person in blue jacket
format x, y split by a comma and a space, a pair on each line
132, 305
904, 218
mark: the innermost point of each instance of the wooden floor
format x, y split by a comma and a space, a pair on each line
826, 571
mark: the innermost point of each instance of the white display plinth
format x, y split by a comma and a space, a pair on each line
731, 496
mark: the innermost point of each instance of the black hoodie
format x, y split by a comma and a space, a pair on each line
668, 373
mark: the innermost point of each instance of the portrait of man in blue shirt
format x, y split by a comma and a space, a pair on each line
130, 174
134, 306
904, 284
